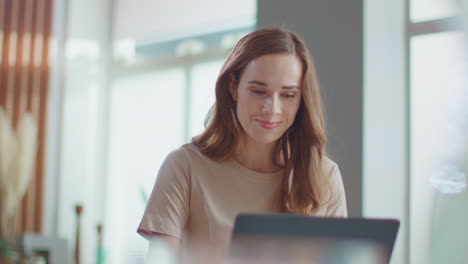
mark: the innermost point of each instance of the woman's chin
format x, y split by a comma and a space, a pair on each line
266, 139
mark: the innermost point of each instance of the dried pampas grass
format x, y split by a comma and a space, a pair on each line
18, 150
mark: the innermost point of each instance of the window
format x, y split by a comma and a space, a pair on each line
152, 113
436, 65
413, 118
436, 138
424, 10
147, 114
202, 93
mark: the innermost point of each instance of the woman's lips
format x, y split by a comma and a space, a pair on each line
268, 124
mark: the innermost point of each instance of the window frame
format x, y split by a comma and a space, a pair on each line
415, 29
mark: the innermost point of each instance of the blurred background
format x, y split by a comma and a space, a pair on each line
115, 85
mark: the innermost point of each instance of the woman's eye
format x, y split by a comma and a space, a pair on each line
289, 95
260, 92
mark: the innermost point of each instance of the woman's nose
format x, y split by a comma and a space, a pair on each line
271, 105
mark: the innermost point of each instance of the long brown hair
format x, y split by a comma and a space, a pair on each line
301, 148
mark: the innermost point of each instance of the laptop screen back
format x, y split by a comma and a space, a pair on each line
294, 239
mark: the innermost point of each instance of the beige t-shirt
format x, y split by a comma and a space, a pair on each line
196, 199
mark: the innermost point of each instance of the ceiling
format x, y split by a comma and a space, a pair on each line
156, 20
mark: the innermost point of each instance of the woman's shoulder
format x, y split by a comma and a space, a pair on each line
189, 161
180, 159
186, 153
336, 201
330, 170
328, 164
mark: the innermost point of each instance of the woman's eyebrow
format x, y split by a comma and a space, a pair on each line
258, 82
290, 87
265, 84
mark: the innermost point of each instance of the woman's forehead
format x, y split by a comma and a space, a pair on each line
274, 69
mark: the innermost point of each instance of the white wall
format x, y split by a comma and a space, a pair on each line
54, 120
84, 122
155, 20
385, 178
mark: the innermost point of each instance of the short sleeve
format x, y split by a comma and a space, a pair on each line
336, 206
168, 206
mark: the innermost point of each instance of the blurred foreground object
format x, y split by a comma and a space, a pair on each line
78, 211
322, 240
160, 252
18, 150
49, 250
449, 243
100, 257
268, 249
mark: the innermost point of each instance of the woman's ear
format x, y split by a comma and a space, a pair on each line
233, 86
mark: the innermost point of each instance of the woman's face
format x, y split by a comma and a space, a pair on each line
268, 96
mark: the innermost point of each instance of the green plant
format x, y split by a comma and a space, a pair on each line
7, 254
144, 196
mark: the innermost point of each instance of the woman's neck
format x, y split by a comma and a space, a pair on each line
256, 156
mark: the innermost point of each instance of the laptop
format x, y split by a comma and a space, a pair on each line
288, 238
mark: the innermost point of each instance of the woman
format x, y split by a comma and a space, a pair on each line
263, 149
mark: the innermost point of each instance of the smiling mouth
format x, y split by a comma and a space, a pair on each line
268, 124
